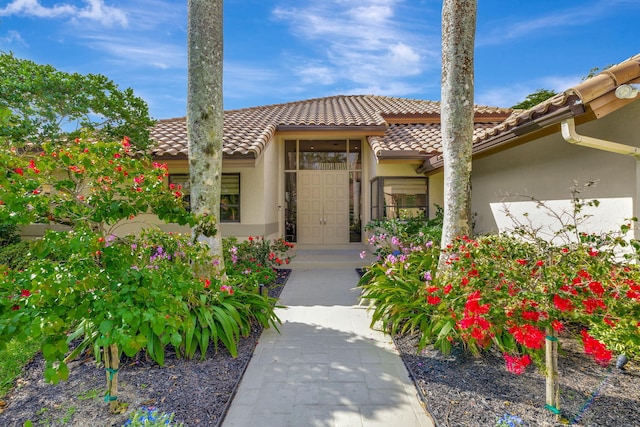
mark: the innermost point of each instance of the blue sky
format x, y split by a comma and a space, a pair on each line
287, 50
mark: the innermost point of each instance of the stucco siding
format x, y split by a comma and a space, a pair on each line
547, 168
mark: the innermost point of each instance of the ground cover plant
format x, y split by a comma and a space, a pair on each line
512, 294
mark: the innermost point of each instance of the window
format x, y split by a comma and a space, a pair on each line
398, 197
230, 197
229, 194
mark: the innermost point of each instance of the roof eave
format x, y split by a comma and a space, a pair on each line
509, 137
368, 130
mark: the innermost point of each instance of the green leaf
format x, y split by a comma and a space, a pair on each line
105, 326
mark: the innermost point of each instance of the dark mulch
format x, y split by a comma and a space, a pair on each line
462, 390
197, 391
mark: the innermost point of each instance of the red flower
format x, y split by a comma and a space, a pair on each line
595, 348
207, 283
533, 316
592, 304
562, 304
32, 165
557, 326
433, 300
473, 304
15, 307
633, 295
516, 364
19, 171
608, 321
592, 252
447, 288
521, 261
25, 293
477, 333
596, 288
539, 263
528, 335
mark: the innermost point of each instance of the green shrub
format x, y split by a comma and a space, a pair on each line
16, 256
8, 235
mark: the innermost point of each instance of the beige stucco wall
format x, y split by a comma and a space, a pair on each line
547, 168
436, 193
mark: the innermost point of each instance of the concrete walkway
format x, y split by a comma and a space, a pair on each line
326, 368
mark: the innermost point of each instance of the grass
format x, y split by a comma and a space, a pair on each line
12, 360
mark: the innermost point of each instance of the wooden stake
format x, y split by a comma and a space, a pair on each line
552, 381
112, 364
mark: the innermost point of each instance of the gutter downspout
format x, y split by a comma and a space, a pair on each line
570, 135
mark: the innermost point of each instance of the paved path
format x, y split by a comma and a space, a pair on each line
326, 368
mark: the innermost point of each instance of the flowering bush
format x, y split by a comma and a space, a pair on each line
260, 251
389, 235
512, 294
121, 294
253, 262
506, 292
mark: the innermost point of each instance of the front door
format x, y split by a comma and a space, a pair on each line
323, 207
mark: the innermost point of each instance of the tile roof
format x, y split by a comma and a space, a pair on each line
586, 93
247, 131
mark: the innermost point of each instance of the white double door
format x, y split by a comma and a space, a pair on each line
323, 207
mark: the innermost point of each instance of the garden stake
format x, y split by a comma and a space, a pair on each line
112, 363
552, 386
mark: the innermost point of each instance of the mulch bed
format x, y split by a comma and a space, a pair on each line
462, 390
197, 391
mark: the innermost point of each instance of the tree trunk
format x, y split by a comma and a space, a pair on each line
456, 116
205, 117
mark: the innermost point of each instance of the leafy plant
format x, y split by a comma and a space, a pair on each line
119, 294
515, 293
39, 103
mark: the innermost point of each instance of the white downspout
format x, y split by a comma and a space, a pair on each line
570, 135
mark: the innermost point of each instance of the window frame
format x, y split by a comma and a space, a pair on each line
379, 206
187, 194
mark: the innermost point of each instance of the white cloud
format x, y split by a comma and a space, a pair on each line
34, 8
95, 10
13, 37
580, 16
365, 43
135, 52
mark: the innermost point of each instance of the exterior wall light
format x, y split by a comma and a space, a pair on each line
627, 91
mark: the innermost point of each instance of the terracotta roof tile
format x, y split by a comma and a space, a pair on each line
248, 131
